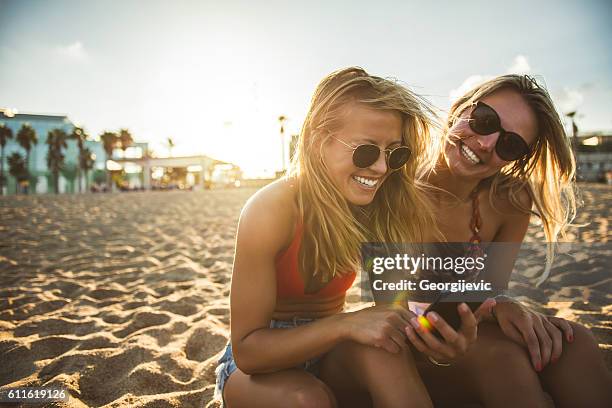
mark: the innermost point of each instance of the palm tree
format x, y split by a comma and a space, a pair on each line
125, 140
86, 162
170, 144
6, 133
17, 169
56, 139
281, 120
293, 144
27, 139
80, 136
571, 115
69, 171
109, 141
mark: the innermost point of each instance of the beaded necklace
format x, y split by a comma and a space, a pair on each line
476, 221
475, 250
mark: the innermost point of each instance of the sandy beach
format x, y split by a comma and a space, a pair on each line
123, 298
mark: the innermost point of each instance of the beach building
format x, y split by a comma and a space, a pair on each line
594, 156
131, 169
141, 171
41, 181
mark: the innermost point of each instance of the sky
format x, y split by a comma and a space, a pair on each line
216, 75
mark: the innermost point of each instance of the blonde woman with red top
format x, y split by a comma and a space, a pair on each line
297, 250
505, 156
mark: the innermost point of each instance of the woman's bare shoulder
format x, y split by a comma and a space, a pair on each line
271, 211
277, 196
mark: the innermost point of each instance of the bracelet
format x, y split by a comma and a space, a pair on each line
433, 361
502, 298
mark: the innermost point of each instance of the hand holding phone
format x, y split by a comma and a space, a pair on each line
449, 312
444, 340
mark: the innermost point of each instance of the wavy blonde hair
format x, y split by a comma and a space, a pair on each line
547, 174
334, 229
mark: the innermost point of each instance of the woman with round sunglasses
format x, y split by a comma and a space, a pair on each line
505, 152
297, 250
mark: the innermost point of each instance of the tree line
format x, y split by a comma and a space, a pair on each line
19, 166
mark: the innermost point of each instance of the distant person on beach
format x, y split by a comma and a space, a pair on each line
297, 250
504, 152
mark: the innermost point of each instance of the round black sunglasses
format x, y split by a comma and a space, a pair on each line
484, 120
366, 155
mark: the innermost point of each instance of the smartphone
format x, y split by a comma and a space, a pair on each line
448, 311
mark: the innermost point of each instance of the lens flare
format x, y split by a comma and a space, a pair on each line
425, 323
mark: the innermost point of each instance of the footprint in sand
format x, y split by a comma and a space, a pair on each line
102, 294
55, 326
203, 343
183, 307
100, 341
142, 320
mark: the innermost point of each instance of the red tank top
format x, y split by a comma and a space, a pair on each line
289, 283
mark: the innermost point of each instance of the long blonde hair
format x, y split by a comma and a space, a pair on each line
547, 173
333, 228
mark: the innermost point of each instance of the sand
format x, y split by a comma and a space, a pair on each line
123, 298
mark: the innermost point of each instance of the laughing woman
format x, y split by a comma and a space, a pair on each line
504, 153
297, 248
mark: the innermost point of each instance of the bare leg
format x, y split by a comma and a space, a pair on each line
495, 372
287, 388
579, 378
374, 376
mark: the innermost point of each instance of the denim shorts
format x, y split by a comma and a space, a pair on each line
226, 364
